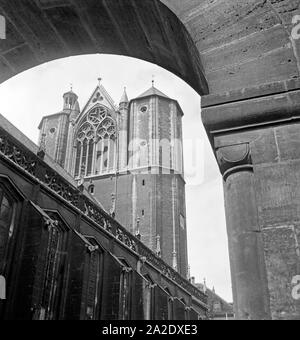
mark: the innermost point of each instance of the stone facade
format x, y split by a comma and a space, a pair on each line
130, 159
64, 258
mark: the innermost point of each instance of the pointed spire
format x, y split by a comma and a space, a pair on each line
158, 246
124, 99
204, 286
175, 264
42, 148
153, 80
137, 232
113, 205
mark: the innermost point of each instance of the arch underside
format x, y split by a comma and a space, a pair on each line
215, 46
44, 30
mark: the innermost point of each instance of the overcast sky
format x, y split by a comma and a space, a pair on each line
30, 95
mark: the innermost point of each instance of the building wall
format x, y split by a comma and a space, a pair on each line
150, 193
86, 251
158, 202
55, 129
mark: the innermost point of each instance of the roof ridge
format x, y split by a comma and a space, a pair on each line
153, 91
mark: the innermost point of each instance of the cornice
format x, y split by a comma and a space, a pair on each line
251, 113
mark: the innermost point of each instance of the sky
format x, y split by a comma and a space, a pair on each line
27, 97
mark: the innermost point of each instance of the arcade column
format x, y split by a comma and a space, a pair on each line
255, 135
244, 234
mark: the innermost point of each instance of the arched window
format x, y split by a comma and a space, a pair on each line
7, 217
149, 298
95, 143
125, 291
55, 269
94, 275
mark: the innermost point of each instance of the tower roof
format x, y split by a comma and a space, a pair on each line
153, 91
70, 93
124, 98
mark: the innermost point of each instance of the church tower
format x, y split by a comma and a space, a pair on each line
130, 158
156, 166
54, 129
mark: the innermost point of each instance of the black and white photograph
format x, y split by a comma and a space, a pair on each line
149, 163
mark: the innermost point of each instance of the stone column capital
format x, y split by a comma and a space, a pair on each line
234, 158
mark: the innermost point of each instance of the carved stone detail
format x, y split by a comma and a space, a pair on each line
234, 158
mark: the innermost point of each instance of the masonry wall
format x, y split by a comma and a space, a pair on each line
26, 277
149, 198
273, 212
56, 129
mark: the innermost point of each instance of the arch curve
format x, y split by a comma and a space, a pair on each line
44, 30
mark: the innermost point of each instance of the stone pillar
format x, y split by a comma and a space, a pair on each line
244, 235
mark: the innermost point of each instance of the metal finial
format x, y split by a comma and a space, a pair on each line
153, 81
99, 80
71, 86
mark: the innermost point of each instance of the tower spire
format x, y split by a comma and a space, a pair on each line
124, 99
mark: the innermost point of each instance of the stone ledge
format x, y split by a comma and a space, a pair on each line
251, 92
281, 107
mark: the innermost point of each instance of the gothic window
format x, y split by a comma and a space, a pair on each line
94, 276
95, 143
7, 210
170, 304
125, 291
149, 298
53, 289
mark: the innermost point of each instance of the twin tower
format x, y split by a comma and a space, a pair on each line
130, 159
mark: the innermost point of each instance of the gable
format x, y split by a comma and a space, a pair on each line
99, 97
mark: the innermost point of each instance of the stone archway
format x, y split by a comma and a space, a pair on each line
239, 55
44, 30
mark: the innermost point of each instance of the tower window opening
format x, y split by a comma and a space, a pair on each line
144, 183
52, 130
144, 109
143, 212
91, 189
